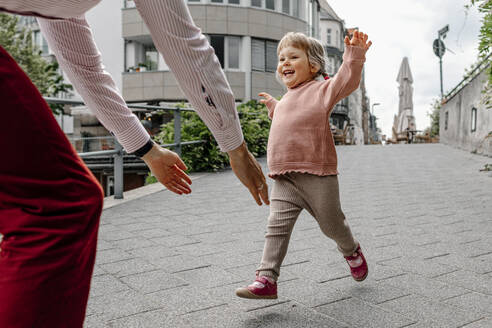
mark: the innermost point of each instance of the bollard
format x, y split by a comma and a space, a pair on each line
118, 171
177, 131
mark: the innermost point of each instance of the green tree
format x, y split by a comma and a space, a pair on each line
434, 117
18, 43
485, 43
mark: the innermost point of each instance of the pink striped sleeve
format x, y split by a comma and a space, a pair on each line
195, 66
74, 47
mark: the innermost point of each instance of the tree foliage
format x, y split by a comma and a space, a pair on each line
434, 117
17, 41
207, 156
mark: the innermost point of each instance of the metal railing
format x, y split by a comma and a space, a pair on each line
468, 78
118, 152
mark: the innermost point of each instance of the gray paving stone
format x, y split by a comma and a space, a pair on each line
132, 243
431, 288
421, 308
355, 312
153, 281
405, 224
112, 255
482, 323
128, 267
106, 285
122, 304
469, 280
207, 277
473, 301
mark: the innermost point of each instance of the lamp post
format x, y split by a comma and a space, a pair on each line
373, 122
372, 107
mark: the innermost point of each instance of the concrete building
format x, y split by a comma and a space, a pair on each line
244, 34
350, 109
464, 120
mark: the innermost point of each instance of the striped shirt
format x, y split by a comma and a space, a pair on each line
185, 49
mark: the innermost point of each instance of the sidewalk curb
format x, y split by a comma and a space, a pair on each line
137, 193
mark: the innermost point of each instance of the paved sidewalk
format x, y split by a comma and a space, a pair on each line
423, 215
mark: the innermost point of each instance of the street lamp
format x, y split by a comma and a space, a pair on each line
372, 107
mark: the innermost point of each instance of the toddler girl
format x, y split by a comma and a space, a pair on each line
301, 154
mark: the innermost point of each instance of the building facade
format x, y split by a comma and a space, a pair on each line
465, 121
243, 33
348, 110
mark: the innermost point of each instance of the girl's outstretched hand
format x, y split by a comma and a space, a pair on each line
359, 39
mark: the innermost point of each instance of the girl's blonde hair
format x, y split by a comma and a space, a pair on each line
313, 48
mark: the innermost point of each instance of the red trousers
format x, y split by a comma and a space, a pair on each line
50, 205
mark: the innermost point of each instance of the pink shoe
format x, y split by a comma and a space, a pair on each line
262, 288
358, 265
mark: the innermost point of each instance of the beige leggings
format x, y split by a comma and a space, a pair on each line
291, 193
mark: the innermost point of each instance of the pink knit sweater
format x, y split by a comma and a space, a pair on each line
300, 137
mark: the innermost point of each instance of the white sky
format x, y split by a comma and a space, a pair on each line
407, 28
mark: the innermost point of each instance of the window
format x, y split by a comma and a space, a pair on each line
233, 49
337, 38
129, 4
330, 66
256, 3
234, 2
40, 42
257, 55
328, 36
446, 116
473, 119
271, 56
264, 55
270, 4
227, 50
295, 8
151, 57
286, 6
217, 42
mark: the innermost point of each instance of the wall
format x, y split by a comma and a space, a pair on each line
459, 108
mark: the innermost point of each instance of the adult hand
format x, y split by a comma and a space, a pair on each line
169, 169
249, 173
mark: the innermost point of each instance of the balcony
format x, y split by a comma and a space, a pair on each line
224, 19
162, 86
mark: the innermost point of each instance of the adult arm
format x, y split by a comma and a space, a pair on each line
74, 47
190, 57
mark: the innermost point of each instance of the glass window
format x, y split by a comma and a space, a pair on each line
234, 2
218, 1
328, 36
337, 38
44, 46
270, 4
129, 4
286, 6
151, 57
474, 119
257, 55
233, 49
271, 56
217, 42
295, 8
256, 3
